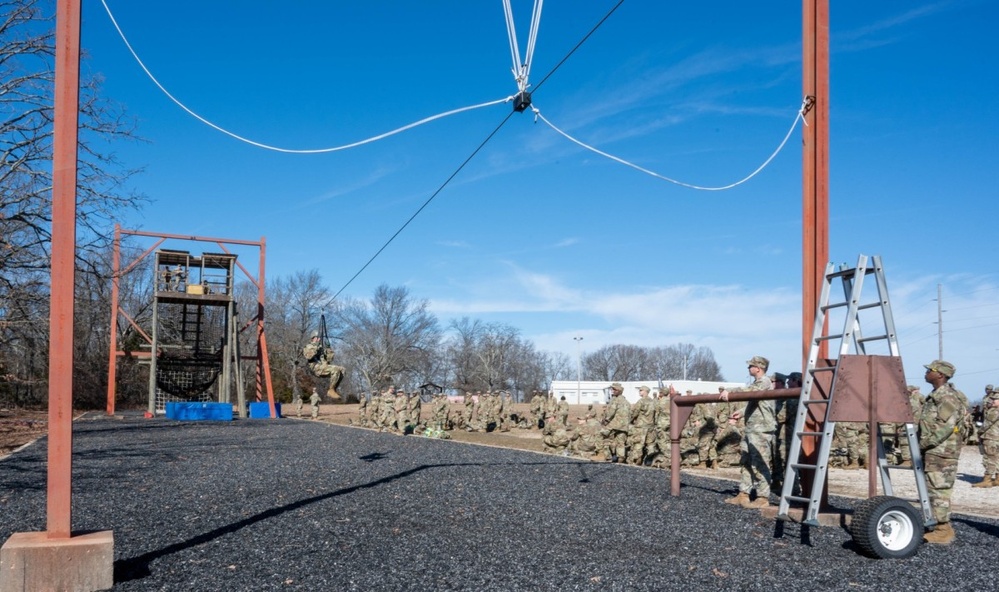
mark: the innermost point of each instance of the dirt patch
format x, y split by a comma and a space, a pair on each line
19, 427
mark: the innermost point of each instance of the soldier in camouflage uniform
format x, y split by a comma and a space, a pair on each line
387, 418
689, 436
940, 441
707, 435
851, 436
314, 400
562, 412
362, 410
616, 421
320, 362
643, 414
989, 438
558, 438
537, 404
758, 442
661, 448
415, 410
401, 405
589, 442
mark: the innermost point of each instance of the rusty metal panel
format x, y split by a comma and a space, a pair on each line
870, 383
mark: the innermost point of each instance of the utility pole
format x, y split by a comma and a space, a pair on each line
579, 369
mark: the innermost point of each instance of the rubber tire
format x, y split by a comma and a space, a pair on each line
887, 527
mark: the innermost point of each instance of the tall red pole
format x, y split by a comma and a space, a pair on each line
64, 173
113, 329
815, 164
815, 187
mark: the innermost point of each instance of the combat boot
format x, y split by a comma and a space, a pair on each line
759, 502
986, 482
742, 498
332, 394
943, 534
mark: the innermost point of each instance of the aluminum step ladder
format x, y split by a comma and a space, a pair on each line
820, 385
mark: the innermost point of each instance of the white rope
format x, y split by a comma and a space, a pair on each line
532, 39
511, 33
275, 148
522, 69
799, 115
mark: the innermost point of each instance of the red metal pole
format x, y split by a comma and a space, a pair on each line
64, 175
815, 179
113, 329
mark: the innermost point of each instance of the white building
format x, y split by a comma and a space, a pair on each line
595, 391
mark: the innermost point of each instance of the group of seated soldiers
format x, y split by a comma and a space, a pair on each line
637, 434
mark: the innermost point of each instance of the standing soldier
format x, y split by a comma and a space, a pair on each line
616, 420
415, 409
940, 439
536, 403
468, 411
562, 412
758, 442
387, 406
298, 401
401, 411
989, 437
314, 400
643, 415
662, 427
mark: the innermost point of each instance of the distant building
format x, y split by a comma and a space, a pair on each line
595, 391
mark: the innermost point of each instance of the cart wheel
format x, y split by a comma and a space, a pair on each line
887, 528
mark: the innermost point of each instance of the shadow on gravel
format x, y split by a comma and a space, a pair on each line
136, 568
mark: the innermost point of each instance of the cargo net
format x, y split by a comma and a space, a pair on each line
192, 344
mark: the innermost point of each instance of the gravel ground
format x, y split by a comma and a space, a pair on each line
300, 505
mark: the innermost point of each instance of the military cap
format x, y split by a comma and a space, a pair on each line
760, 362
315, 333
643, 388
617, 386
989, 388
945, 368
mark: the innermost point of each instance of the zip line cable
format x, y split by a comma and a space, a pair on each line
522, 69
800, 115
425, 204
276, 148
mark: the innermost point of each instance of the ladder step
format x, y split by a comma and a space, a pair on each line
810, 434
815, 402
795, 498
828, 338
824, 369
866, 339
842, 273
834, 305
803, 466
870, 305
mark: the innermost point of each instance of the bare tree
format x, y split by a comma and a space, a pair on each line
26, 98
630, 362
389, 340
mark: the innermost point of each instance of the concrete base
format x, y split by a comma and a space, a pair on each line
31, 561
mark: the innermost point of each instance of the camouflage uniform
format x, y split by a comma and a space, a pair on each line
374, 411
852, 437
916, 403
642, 419
707, 434
758, 441
940, 440
387, 406
415, 409
362, 410
557, 438
537, 401
314, 400
562, 412
298, 403
616, 420
989, 435
589, 442
320, 362
662, 445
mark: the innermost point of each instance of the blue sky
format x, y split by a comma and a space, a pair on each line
543, 235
